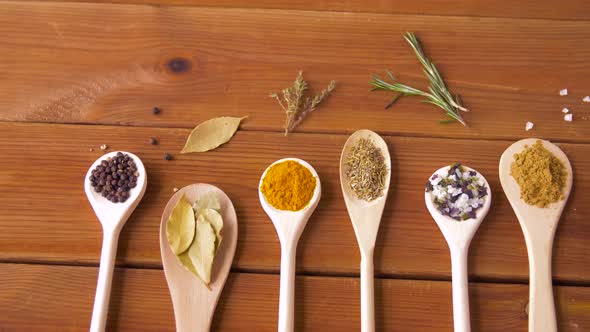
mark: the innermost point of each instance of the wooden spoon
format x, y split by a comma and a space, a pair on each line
112, 216
194, 303
538, 225
458, 235
289, 226
365, 217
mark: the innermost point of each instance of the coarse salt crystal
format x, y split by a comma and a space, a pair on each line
563, 92
462, 201
568, 117
435, 181
586, 99
529, 126
565, 110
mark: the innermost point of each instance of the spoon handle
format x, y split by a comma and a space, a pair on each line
287, 290
105, 277
367, 293
541, 305
460, 290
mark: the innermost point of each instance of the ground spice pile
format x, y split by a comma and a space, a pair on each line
540, 175
288, 186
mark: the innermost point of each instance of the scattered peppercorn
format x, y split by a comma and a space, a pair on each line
153, 141
167, 156
156, 110
91, 149
114, 177
104, 147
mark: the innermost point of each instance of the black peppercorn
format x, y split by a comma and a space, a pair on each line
153, 141
167, 156
155, 110
114, 177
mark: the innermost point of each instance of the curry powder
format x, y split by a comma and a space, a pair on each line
540, 175
288, 186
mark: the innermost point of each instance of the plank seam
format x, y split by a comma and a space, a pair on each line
158, 5
326, 132
378, 276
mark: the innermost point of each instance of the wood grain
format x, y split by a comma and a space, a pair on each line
140, 302
110, 64
45, 216
566, 10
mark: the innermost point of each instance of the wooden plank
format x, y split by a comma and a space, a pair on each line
140, 302
110, 64
45, 216
566, 10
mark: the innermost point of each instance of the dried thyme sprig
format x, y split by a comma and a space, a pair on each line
295, 105
311, 104
439, 94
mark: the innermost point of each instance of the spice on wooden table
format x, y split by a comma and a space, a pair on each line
156, 110
366, 170
114, 177
457, 193
540, 175
153, 141
288, 185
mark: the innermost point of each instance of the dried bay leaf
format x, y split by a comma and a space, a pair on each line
202, 251
214, 218
180, 229
207, 201
186, 262
211, 134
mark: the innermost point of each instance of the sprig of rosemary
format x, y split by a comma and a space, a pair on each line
295, 105
439, 94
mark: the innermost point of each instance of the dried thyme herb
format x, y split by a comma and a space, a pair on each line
297, 105
366, 170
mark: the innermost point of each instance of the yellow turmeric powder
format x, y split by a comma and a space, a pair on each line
540, 175
288, 186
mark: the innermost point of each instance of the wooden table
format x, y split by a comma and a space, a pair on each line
75, 75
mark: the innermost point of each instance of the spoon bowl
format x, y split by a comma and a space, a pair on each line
112, 217
289, 226
365, 217
458, 235
194, 303
538, 226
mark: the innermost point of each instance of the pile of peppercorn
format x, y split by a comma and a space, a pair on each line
114, 177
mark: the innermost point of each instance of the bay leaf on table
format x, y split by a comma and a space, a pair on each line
211, 134
202, 251
180, 229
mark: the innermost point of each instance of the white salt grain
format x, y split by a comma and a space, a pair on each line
568, 117
563, 92
586, 99
565, 110
529, 126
